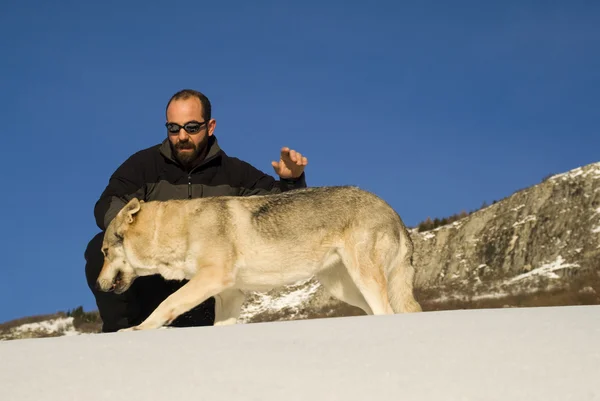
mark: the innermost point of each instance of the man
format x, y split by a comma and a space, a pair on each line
188, 164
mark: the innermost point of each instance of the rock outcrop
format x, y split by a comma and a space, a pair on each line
539, 239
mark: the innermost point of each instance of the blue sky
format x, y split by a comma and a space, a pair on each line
435, 106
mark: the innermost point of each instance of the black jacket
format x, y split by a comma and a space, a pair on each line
154, 174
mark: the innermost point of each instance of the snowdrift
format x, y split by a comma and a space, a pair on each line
544, 353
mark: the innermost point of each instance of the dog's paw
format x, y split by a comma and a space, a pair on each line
134, 328
226, 322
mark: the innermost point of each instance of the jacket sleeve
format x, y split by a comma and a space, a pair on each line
126, 183
256, 182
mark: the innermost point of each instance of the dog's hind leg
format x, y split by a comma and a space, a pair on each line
369, 278
340, 285
228, 305
208, 282
401, 273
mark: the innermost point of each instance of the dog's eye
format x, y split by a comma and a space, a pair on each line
105, 251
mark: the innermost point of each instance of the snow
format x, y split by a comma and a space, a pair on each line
457, 224
583, 171
448, 298
525, 220
428, 235
498, 354
62, 325
546, 270
267, 303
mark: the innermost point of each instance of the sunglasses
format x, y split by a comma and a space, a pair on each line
190, 127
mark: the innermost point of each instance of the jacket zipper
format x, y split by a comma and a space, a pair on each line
190, 173
190, 177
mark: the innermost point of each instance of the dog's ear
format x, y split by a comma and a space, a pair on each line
132, 207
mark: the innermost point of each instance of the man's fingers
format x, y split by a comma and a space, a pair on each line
291, 155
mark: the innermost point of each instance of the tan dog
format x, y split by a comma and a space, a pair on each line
352, 241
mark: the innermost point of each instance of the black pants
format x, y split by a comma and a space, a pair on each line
145, 294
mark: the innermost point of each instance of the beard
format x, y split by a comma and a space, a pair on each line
187, 152
186, 157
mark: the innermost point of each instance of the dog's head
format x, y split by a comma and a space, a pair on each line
117, 274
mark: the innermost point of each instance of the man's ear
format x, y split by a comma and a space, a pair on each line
132, 207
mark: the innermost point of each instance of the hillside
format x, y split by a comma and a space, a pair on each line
537, 247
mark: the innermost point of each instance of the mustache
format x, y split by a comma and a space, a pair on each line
184, 145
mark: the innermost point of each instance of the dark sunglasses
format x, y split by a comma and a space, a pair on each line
190, 127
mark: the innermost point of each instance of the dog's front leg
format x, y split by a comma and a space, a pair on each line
208, 282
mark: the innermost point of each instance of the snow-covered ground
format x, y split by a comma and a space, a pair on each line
496, 354
59, 326
548, 270
63, 325
297, 296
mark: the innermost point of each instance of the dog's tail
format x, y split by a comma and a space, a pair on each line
400, 278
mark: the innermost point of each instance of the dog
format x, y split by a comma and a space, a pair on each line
349, 239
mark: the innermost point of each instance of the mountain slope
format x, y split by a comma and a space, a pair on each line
542, 238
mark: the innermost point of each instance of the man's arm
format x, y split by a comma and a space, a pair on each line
126, 183
256, 182
257, 179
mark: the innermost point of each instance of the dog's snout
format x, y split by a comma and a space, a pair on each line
101, 285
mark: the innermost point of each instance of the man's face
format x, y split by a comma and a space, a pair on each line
187, 146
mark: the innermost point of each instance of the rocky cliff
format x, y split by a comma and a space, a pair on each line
542, 238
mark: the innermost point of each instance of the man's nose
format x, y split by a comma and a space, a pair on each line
183, 135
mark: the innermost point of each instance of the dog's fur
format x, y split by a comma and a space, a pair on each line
352, 241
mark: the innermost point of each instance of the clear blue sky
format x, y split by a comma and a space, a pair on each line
435, 106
